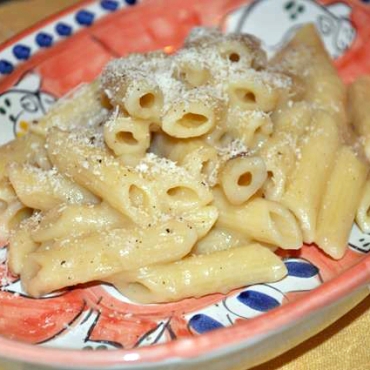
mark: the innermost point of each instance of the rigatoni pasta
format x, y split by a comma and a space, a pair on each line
175, 176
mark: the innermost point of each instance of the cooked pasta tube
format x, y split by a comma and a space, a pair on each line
176, 190
26, 149
143, 99
219, 239
202, 219
21, 245
77, 219
192, 116
359, 110
252, 127
340, 201
236, 48
196, 276
358, 104
191, 72
293, 119
127, 84
250, 94
81, 107
242, 177
363, 210
306, 57
202, 162
262, 220
197, 157
279, 157
280, 151
125, 135
219, 136
307, 182
43, 190
12, 211
174, 149
95, 169
95, 257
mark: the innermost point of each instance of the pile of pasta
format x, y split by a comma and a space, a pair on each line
175, 176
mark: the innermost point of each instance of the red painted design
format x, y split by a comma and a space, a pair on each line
34, 320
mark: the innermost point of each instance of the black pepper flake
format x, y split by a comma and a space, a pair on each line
63, 263
168, 231
92, 140
240, 155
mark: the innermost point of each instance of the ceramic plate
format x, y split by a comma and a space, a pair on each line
46, 62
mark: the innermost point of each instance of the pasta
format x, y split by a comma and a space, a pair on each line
197, 275
340, 201
175, 176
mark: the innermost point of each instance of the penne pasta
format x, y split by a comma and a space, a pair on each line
12, 211
263, 220
97, 170
69, 262
359, 111
76, 220
26, 149
305, 57
43, 190
219, 239
303, 196
126, 136
363, 210
340, 201
242, 177
193, 116
81, 107
21, 245
200, 275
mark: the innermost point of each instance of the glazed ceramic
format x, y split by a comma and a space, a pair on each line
94, 326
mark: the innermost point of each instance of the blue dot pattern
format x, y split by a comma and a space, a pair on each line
258, 301
301, 269
109, 5
63, 29
21, 52
44, 40
6, 67
85, 18
202, 323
